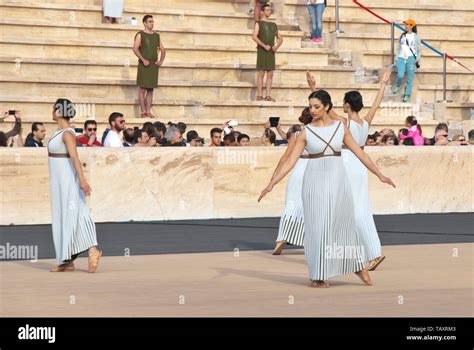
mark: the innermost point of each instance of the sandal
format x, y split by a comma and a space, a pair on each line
279, 248
269, 98
66, 267
259, 98
319, 284
375, 263
94, 260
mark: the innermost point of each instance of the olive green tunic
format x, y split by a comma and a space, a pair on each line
267, 32
147, 77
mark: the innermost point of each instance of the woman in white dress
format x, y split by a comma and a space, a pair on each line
291, 228
357, 172
73, 229
332, 243
113, 9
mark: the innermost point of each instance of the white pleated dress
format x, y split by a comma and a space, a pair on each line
291, 227
358, 178
332, 243
73, 229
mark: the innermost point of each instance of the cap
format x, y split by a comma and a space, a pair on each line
411, 22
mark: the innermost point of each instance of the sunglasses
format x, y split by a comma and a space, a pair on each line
443, 135
121, 121
91, 129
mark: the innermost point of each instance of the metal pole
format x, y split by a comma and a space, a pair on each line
444, 77
392, 38
338, 30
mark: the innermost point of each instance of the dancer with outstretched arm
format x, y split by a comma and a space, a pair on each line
332, 245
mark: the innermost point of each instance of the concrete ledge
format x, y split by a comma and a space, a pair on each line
178, 183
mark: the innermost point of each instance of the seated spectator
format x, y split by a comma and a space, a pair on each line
173, 137
89, 138
161, 130
439, 128
459, 140
441, 138
374, 140
408, 141
389, 140
414, 131
182, 127
243, 140
6, 136
230, 140
470, 135
216, 137
128, 137
37, 135
141, 139
193, 139
268, 137
116, 124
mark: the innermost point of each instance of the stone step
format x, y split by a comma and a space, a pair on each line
208, 90
36, 108
110, 69
166, 18
381, 58
196, 5
93, 49
183, 36
446, 13
368, 41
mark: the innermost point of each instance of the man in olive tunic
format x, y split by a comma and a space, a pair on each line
146, 46
264, 35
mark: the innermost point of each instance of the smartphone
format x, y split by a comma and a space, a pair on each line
227, 131
274, 121
11, 112
232, 123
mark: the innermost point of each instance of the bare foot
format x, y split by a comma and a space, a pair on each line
319, 284
364, 276
279, 248
94, 256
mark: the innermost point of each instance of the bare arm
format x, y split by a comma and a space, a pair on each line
378, 99
136, 47
279, 41
364, 157
281, 132
162, 53
256, 38
285, 168
286, 155
70, 142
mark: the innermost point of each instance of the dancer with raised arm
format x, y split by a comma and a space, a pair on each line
357, 172
332, 243
73, 229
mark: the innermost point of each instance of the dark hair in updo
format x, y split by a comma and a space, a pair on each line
354, 99
65, 108
323, 96
306, 116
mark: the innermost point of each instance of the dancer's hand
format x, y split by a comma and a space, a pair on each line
146, 63
311, 81
85, 187
266, 190
387, 180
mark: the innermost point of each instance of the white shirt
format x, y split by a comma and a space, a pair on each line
317, 2
112, 140
405, 49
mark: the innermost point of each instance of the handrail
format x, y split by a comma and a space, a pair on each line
444, 55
